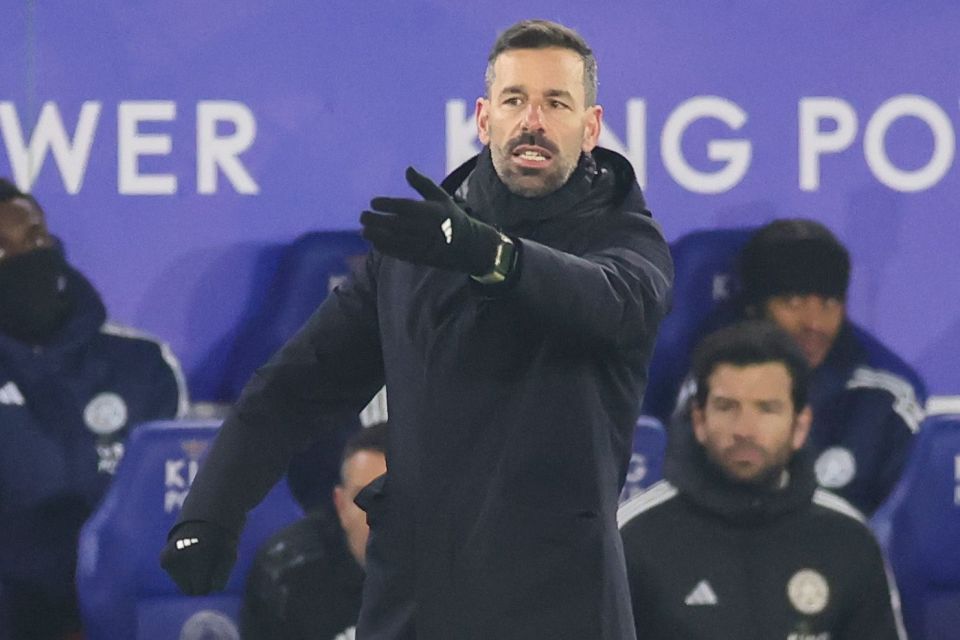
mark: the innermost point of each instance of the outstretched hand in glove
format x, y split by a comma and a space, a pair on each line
434, 232
199, 556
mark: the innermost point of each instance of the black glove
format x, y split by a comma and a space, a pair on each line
199, 556
434, 231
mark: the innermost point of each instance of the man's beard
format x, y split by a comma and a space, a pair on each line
766, 478
518, 179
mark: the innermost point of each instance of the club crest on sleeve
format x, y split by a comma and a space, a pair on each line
835, 468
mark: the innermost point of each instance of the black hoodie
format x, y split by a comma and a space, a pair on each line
709, 558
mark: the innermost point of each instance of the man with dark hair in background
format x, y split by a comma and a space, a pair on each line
71, 386
738, 541
512, 313
867, 403
306, 580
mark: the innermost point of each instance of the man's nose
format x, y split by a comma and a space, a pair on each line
813, 314
745, 426
533, 117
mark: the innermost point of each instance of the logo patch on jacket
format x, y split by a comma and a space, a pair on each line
808, 592
835, 468
106, 413
10, 394
702, 595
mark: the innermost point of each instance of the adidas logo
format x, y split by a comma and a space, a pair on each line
701, 595
447, 228
10, 394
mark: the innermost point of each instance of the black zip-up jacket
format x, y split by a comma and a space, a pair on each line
303, 584
511, 415
708, 559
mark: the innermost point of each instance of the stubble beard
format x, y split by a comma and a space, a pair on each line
531, 182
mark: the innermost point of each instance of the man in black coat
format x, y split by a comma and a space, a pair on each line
738, 541
511, 314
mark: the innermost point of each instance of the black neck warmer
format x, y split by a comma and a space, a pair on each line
702, 483
491, 201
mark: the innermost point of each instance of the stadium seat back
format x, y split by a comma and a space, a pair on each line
704, 277
646, 462
308, 270
919, 527
123, 591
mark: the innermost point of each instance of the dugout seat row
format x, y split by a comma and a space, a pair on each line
123, 591
919, 528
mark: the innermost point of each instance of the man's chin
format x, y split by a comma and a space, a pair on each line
531, 183
758, 477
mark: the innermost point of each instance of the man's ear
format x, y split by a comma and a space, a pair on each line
483, 120
339, 502
801, 428
592, 127
698, 419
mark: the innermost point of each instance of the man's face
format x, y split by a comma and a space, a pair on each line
536, 120
22, 228
811, 320
747, 425
358, 471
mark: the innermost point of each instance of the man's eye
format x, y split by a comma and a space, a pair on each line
512, 102
556, 104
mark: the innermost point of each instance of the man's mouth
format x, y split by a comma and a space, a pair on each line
531, 156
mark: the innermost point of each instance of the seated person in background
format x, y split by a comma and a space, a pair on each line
70, 388
738, 540
867, 403
306, 581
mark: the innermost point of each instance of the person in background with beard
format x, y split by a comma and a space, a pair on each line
71, 387
738, 541
511, 312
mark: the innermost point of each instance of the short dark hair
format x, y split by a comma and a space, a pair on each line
540, 34
749, 343
372, 438
9, 191
793, 256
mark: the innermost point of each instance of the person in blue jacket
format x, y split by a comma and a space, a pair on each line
511, 313
71, 387
867, 402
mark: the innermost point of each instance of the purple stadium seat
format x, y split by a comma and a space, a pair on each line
309, 268
919, 527
704, 264
646, 463
122, 589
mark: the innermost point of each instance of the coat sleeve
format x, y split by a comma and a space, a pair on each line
615, 295
876, 612
319, 380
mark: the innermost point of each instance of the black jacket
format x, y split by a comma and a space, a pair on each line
303, 584
709, 559
511, 413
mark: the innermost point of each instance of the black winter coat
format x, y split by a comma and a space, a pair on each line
511, 415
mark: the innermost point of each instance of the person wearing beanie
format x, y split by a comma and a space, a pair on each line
867, 402
71, 388
737, 541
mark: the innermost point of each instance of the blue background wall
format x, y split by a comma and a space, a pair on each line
344, 95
